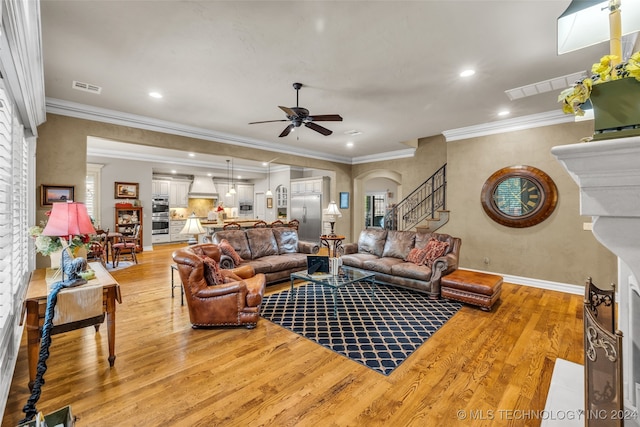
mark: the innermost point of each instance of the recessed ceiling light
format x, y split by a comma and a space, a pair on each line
156, 95
503, 113
349, 144
174, 171
353, 132
264, 163
192, 155
209, 174
467, 73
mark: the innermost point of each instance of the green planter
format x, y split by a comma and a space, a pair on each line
616, 109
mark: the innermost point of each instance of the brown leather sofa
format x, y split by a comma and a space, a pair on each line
384, 252
236, 302
276, 252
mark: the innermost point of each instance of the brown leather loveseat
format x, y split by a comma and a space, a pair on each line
276, 251
234, 301
394, 257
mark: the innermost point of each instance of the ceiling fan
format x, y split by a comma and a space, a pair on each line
299, 116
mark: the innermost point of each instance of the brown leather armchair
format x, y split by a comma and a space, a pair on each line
234, 303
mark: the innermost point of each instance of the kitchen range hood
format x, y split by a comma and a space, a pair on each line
203, 187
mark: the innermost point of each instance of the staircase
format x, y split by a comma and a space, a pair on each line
424, 209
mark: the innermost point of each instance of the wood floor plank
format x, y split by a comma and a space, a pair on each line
167, 373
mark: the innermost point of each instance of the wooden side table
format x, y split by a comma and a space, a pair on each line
333, 243
35, 307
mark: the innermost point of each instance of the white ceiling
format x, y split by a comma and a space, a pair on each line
389, 68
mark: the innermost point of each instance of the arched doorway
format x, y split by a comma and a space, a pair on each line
360, 189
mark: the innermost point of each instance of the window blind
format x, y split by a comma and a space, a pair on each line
14, 239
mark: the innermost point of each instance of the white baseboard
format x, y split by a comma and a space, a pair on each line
537, 283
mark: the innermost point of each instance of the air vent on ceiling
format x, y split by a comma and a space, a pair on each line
557, 83
87, 87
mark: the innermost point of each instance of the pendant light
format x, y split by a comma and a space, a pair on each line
228, 181
269, 193
232, 190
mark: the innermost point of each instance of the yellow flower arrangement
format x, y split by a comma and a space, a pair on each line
604, 71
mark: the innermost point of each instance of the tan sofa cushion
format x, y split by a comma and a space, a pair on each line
372, 240
382, 265
262, 242
411, 271
398, 244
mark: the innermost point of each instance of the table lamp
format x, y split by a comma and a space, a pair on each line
588, 22
332, 211
194, 228
68, 219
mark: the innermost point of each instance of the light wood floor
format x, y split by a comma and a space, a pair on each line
477, 366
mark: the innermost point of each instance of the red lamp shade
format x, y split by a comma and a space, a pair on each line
68, 219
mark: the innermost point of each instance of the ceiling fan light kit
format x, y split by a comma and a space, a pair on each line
299, 116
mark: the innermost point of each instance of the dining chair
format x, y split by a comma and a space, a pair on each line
126, 245
232, 226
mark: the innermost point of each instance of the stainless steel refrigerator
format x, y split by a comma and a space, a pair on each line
307, 208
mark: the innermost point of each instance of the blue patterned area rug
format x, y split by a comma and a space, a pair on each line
379, 333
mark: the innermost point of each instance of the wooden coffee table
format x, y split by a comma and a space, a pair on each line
346, 277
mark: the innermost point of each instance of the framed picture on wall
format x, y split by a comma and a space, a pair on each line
50, 194
126, 190
269, 202
344, 200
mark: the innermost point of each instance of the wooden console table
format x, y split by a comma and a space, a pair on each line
333, 244
35, 307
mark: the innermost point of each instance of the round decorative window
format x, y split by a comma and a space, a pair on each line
519, 196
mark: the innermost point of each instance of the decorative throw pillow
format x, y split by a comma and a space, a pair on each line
434, 250
416, 256
228, 250
212, 273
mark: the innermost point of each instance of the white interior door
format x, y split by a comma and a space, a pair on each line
260, 207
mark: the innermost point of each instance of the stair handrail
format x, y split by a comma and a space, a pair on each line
422, 203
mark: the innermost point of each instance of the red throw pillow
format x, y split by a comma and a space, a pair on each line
228, 250
416, 256
212, 273
434, 250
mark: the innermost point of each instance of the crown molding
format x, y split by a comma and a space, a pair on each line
87, 112
509, 125
389, 155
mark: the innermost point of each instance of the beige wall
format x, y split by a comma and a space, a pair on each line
558, 249
62, 151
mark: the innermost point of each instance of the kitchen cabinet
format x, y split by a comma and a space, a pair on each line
159, 187
245, 193
126, 220
223, 189
281, 196
179, 194
315, 185
175, 227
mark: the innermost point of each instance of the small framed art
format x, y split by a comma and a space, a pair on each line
126, 190
50, 194
269, 202
344, 200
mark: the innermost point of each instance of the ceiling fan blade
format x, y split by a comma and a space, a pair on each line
286, 131
326, 118
269, 121
288, 111
318, 128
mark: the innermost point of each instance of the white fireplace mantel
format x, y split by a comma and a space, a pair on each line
608, 174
